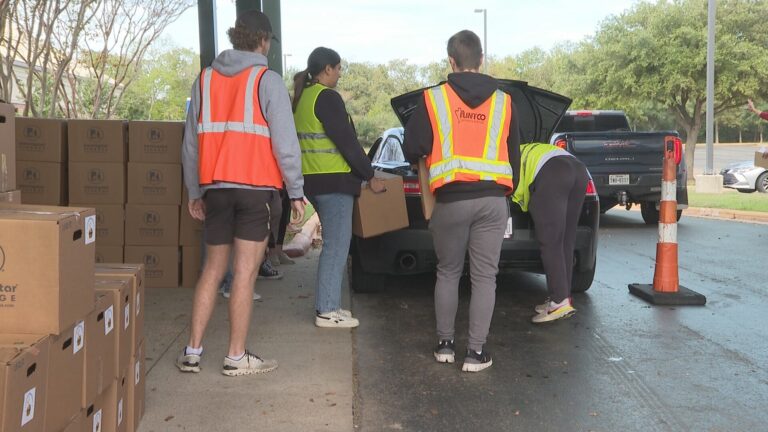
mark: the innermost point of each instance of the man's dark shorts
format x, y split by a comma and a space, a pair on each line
245, 214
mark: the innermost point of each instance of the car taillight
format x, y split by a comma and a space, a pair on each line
675, 145
562, 143
584, 114
591, 189
411, 187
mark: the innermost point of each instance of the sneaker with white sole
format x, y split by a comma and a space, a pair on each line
228, 293
475, 362
188, 362
445, 351
336, 319
554, 312
541, 308
249, 364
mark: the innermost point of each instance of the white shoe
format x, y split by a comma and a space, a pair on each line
249, 364
336, 319
188, 362
553, 313
227, 294
541, 308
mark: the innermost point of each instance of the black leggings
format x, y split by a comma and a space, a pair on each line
557, 195
285, 216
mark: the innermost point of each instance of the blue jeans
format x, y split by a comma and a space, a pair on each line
335, 212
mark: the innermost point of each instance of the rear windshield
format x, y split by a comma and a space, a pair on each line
593, 123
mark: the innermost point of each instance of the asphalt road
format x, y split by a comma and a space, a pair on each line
724, 155
617, 365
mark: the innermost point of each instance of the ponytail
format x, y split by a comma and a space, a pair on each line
300, 80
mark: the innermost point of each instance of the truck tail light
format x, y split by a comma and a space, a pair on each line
562, 143
675, 144
584, 114
411, 187
591, 189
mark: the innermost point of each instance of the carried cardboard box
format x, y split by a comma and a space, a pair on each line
379, 213
155, 141
161, 264
97, 140
47, 258
133, 274
100, 349
43, 183
152, 225
7, 147
190, 265
97, 182
120, 290
761, 158
190, 229
66, 369
23, 375
427, 197
153, 183
136, 388
110, 223
41, 140
108, 254
13, 197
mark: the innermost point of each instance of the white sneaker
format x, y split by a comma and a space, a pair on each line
248, 365
188, 362
553, 312
336, 319
227, 294
541, 308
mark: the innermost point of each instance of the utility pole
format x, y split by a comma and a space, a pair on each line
485, 38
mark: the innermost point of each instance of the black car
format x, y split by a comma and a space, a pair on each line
410, 250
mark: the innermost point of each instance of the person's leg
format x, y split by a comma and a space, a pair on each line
485, 237
335, 212
217, 257
247, 258
575, 203
450, 233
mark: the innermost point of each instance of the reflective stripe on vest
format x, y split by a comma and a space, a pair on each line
533, 156
247, 125
319, 154
445, 163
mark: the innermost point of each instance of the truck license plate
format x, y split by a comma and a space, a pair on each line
618, 179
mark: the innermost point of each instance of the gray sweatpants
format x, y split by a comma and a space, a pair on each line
477, 226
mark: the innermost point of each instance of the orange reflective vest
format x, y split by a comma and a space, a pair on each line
469, 144
233, 136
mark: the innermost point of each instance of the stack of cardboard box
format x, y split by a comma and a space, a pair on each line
8, 192
41, 154
154, 198
97, 178
190, 239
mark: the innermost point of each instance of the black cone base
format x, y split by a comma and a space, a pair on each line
683, 297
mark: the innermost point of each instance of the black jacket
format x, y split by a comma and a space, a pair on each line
332, 113
473, 89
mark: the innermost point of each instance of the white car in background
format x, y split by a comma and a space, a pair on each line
745, 177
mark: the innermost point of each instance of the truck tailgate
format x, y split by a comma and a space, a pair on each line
628, 152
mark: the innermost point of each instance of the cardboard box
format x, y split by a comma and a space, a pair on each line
161, 264
379, 213
100, 349
47, 267
97, 182
23, 374
107, 412
155, 141
43, 183
13, 197
427, 198
134, 275
110, 224
120, 289
152, 225
97, 140
761, 159
136, 388
78, 424
7, 147
190, 265
66, 369
41, 140
109, 254
150, 183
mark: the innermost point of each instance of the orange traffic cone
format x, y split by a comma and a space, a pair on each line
666, 288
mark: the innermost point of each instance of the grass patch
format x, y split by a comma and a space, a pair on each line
730, 199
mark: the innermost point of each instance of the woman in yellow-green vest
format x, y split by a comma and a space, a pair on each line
334, 166
552, 188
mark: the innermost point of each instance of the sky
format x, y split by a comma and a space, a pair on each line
377, 31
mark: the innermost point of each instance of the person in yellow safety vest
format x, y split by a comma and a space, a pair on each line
239, 148
334, 166
468, 131
552, 188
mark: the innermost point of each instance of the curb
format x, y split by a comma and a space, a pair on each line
716, 213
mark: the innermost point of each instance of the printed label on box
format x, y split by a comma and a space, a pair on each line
90, 229
79, 336
109, 320
97, 421
127, 315
28, 413
138, 372
120, 412
138, 303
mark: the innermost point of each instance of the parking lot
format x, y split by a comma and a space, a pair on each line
618, 364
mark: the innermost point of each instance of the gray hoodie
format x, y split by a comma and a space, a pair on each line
276, 107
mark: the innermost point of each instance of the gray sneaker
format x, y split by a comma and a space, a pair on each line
248, 365
226, 293
188, 362
475, 362
445, 351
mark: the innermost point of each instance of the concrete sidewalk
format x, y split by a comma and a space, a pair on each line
312, 389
